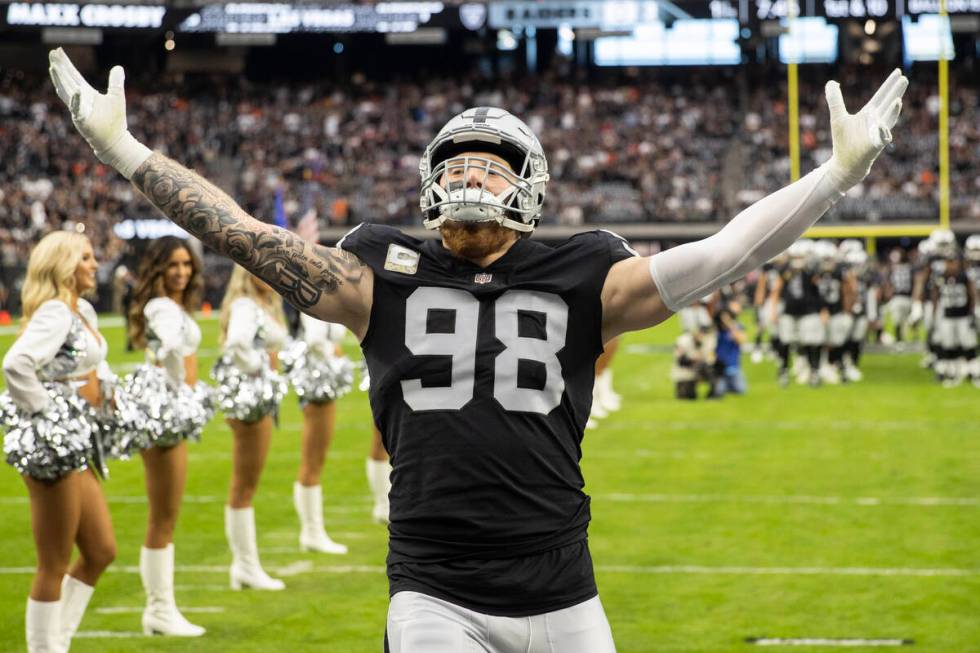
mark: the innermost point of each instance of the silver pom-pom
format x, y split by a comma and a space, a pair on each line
316, 379
124, 424
203, 394
53, 442
247, 397
168, 416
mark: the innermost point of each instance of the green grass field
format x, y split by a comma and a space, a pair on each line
841, 512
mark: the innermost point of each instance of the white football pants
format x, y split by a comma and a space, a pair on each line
802, 330
423, 624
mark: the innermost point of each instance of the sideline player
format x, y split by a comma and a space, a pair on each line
481, 348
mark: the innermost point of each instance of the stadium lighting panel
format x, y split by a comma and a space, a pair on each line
687, 42
927, 39
808, 40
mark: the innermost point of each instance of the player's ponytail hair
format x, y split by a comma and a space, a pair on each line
242, 284
51, 271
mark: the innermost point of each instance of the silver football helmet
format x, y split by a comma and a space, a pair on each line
945, 243
447, 196
972, 248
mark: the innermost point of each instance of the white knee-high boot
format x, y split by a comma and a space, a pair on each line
42, 623
161, 616
608, 398
246, 570
379, 480
308, 502
75, 596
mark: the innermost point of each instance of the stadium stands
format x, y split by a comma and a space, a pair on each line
621, 149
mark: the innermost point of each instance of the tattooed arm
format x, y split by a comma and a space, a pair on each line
330, 284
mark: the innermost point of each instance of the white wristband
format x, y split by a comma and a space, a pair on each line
126, 154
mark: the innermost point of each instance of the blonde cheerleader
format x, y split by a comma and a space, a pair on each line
320, 374
53, 438
249, 391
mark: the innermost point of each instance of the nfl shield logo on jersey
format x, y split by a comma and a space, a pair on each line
482, 277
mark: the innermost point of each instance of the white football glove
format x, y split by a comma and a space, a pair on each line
917, 312
860, 138
100, 118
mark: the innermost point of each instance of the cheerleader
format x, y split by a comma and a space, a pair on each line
249, 391
168, 287
320, 374
52, 438
378, 471
378, 467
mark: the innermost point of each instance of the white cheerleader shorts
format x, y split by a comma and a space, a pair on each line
418, 623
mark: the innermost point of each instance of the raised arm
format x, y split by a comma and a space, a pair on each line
327, 283
641, 292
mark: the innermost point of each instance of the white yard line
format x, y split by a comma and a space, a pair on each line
788, 571
846, 642
136, 499
139, 609
108, 634
782, 499
201, 588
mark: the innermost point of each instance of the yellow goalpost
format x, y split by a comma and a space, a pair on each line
867, 232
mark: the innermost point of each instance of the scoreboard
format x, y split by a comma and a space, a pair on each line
749, 11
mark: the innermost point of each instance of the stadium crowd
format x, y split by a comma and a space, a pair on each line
620, 150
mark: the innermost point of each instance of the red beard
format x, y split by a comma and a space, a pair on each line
474, 241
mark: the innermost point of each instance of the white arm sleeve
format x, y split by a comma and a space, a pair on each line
42, 338
684, 274
242, 324
166, 319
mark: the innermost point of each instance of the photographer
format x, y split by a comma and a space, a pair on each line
728, 351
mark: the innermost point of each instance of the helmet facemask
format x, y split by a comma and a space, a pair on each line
462, 189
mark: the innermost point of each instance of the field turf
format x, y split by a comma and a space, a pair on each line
839, 512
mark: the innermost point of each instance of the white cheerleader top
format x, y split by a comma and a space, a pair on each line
252, 334
56, 345
319, 336
171, 334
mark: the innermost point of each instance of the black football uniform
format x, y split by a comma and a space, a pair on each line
799, 294
481, 385
901, 277
830, 284
867, 282
954, 295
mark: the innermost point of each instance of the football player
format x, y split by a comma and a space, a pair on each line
971, 251
799, 326
864, 309
481, 346
953, 297
837, 290
898, 293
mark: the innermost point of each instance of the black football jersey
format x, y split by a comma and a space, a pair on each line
901, 277
830, 284
867, 283
481, 385
799, 294
954, 295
